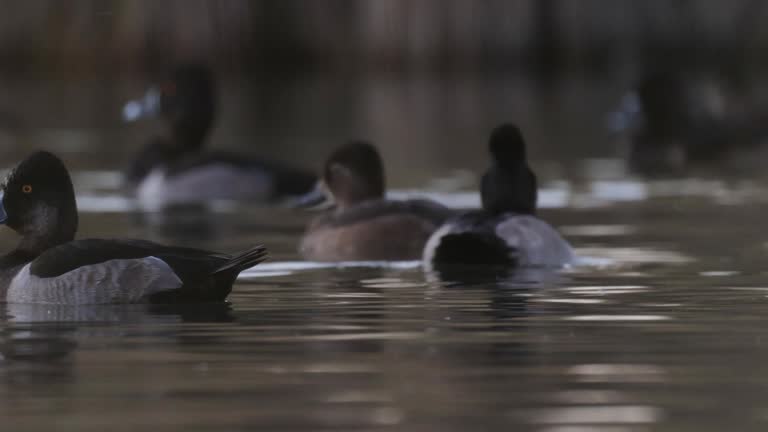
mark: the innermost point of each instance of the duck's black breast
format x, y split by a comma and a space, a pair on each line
187, 263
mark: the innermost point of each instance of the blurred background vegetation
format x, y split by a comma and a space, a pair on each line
392, 36
421, 78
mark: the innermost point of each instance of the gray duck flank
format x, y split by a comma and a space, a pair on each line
113, 281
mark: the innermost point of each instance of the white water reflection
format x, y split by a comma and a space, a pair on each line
100, 191
598, 230
609, 414
631, 256
617, 318
104, 203
283, 268
601, 192
607, 289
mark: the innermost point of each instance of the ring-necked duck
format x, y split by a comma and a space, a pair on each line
675, 118
49, 266
506, 231
364, 225
175, 170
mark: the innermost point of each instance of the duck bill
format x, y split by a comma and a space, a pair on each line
146, 106
316, 199
3, 214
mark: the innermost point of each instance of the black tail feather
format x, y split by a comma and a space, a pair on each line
474, 249
243, 261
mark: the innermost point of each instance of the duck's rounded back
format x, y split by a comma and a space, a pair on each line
505, 232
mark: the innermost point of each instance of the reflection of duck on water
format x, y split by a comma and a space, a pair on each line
674, 119
52, 333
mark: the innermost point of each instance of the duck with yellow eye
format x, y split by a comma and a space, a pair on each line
363, 225
49, 266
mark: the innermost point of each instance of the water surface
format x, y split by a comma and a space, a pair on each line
660, 326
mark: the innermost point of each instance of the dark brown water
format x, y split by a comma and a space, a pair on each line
661, 326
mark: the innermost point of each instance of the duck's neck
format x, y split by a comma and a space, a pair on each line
506, 190
14, 259
50, 228
189, 138
354, 192
345, 204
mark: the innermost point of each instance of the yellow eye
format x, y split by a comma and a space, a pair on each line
26, 189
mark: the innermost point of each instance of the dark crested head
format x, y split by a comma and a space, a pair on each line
507, 145
354, 173
38, 199
188, 101
189, 87
509, 185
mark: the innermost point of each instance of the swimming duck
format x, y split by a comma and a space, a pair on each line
175, 169
364, 225
506, 231
49, 266
675, 118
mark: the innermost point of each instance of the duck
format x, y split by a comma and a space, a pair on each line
363, 225
676, 119
49, 266
176, 170
505, 232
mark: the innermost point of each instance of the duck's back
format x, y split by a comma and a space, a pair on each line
374, 230
212, 181
218, 176
509, 239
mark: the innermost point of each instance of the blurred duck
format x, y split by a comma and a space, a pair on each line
175, 170
363, 225
48, 266
505, 232
674, 118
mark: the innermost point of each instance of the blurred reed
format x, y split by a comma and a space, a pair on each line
381, 36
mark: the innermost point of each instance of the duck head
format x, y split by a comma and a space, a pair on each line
509, 185
38, 202
672, 117
186, 101
352, 174
507, 146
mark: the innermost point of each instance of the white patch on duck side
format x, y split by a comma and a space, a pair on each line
428, 256
212, 182
537, 243
532, 242
110, 282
